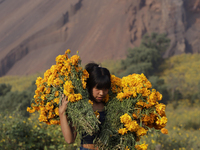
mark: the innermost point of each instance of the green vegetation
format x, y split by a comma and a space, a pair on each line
146, 58
182, 76
22, 133
19, 83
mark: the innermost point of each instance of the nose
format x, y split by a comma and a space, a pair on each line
101, 92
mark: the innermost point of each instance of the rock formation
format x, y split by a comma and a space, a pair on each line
33, 33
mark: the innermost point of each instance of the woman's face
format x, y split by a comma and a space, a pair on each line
99, 94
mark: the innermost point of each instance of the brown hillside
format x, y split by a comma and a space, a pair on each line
33, 33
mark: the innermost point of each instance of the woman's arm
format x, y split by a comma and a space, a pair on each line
67, 129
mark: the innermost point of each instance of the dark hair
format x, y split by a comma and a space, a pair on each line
98, 76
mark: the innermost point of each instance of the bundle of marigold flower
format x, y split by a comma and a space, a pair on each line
131, 114
69, 78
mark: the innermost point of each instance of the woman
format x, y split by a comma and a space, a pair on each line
98, 85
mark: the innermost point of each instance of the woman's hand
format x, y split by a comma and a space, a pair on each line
67, 129
63, 105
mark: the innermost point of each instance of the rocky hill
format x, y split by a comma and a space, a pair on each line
33, 33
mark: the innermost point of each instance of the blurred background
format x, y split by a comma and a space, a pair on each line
160, 38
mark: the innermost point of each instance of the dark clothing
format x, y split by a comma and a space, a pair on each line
88, 139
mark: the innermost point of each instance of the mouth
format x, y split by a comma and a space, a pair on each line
99, 98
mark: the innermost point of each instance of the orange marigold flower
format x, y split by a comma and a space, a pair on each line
106, 98
134, 116
89, 101
146, 118
56, 94
164, 131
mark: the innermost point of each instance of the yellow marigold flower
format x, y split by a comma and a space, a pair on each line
56, 100
141, 131
159, 96
50, 80
67, 51
160, 109
74, 60
57, 81
30, 110
140, 90
122, 131
49, 106
140, 103
161, 121
47, 90
164, 131
125, 118
47, 73
152, 98
60, 59
38, 81
148, 105
39, 89
78, 97
52, 121
132, 126
141, 147
71, 98
43, 118
37, 100
57, 111
120, 96
85, 73
97, 114
89, 101
68, 87
51, 115
146, 92
148, 84
84, 84
43, 97
115, 84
